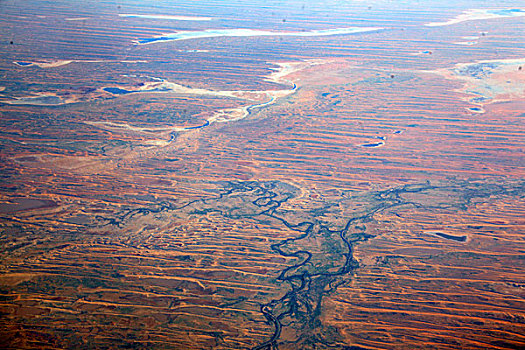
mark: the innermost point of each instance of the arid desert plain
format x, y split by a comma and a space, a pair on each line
262, 174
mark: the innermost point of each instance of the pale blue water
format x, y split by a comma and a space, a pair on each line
508, 12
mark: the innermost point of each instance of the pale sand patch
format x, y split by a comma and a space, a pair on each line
38, 99
177, 18
44, 64
287, 68
480, 14
126, 126
465, 43
58, 63
421, 53
194, 50
488, 81
243, 32
77, 19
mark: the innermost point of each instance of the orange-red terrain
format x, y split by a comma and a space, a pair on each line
306, 191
